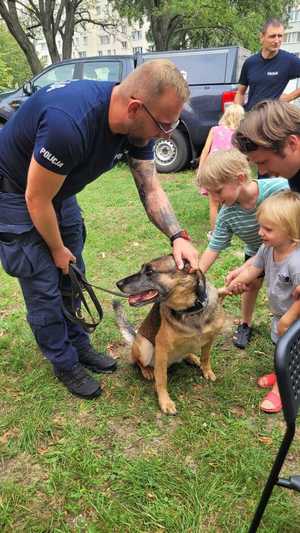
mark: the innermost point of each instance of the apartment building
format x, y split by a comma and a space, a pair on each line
291, 38
117, 38
291, 43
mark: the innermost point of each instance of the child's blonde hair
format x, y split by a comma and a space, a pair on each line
221, 167
282, 210
232, 116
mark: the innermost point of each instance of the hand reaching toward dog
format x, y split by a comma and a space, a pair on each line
183, 249
232, 275
223, 291
237, 288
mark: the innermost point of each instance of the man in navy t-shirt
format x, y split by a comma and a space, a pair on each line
62, 138
267, 73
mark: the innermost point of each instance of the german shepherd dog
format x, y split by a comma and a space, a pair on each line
185, 318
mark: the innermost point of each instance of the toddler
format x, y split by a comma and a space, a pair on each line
279, 259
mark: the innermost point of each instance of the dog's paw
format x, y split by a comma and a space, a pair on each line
168, 406
209, 374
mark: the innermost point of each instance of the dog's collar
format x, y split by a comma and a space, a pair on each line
200, 302
198, 307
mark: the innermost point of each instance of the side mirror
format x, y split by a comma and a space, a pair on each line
28, 88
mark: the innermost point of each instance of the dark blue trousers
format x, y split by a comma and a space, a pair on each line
26, 256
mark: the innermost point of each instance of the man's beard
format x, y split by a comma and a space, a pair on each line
137, 141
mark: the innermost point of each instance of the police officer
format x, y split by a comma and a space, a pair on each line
62, 138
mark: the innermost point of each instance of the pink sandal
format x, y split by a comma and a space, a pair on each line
267, 380
275, 400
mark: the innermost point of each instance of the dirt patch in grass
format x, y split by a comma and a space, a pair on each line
127, 434
22, 469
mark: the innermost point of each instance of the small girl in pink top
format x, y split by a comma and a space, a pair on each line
219, 138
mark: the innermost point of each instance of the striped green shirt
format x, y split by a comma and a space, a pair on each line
235, 220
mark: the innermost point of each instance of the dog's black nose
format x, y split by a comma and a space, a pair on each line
120, 284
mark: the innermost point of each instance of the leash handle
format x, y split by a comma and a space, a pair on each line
79, 284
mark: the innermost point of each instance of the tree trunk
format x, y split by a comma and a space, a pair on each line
11, 19
163, 27
68, 30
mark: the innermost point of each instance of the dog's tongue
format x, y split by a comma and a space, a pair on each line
142, 297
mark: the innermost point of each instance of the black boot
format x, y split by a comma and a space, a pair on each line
96, 361
78, 381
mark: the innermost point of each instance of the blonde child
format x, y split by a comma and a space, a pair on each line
279, 259
219, 138
227, 177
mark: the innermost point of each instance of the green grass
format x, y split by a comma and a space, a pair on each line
116, 464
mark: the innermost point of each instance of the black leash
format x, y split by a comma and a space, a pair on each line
79, 288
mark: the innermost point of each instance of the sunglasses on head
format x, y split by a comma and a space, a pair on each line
244, 144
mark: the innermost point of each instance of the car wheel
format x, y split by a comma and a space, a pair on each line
172, 154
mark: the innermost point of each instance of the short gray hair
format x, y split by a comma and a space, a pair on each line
152, 78
273, 21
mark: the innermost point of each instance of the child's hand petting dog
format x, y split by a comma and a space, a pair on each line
237, 288
232, 275
224, 291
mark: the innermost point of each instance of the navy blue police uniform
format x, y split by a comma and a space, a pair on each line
267, 78
65, 126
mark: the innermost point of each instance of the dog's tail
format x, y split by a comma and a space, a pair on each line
127, 330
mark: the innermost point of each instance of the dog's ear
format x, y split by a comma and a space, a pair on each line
201, 287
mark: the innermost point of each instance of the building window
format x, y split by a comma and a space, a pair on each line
108, 52
292, 37
294, 15
82, 53
136, 35
100, 53
137, 49
104, 39
124, 44
124, 29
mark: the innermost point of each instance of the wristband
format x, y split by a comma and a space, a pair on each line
182, 234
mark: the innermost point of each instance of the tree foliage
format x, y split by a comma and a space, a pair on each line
6, 79
27, 20
14, 69
203, 23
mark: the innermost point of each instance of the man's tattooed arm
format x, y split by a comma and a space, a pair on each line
153, 197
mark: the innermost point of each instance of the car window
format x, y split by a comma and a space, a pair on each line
59, 73
102, 70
